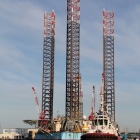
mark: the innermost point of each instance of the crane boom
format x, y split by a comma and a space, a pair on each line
36, 101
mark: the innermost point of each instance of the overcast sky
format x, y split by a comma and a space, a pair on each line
21, 58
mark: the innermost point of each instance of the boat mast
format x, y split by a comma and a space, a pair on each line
102, 95
102, 98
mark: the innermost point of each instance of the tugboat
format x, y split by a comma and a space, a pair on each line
102, 128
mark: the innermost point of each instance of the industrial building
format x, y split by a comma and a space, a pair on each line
18, 133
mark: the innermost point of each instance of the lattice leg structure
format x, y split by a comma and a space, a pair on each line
80, 99
73, 59
48, 65
108, 61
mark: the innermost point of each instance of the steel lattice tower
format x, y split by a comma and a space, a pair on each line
48, 65
108, 62
73, 59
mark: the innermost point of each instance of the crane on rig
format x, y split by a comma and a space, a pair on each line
41, 115
91, 117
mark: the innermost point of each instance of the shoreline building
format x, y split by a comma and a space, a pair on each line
18, 133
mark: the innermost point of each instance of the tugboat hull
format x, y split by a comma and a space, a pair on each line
98, 136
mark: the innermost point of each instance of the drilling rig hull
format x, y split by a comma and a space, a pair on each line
59, 135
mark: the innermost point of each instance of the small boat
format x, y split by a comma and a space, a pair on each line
102, 128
